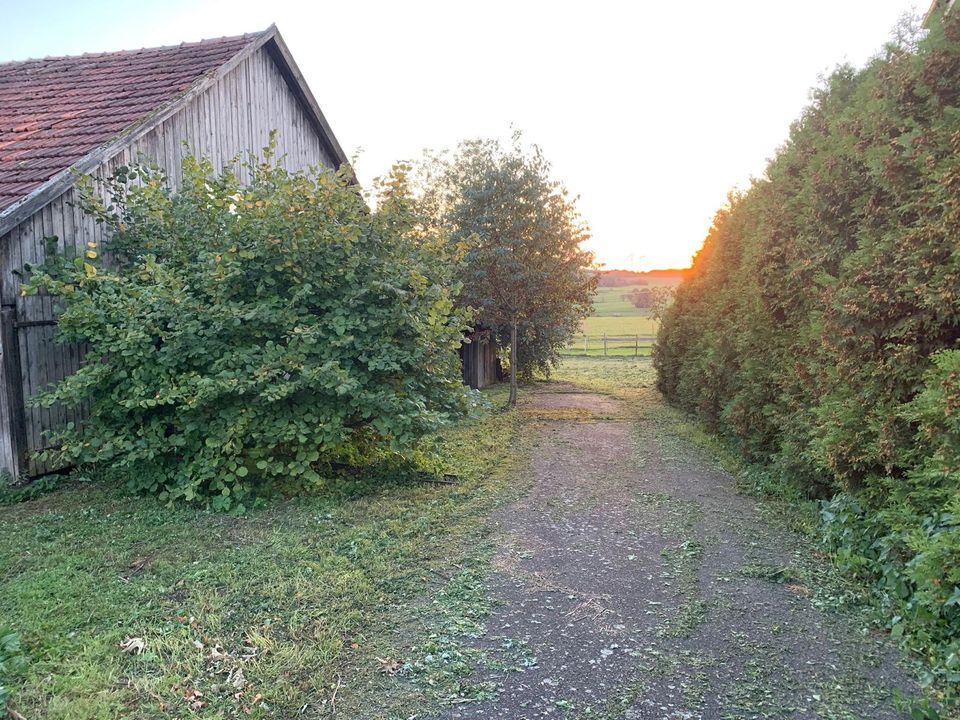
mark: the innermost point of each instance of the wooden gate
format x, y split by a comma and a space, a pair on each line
41, 361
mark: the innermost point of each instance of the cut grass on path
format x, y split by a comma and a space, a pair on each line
354, 601
781, 507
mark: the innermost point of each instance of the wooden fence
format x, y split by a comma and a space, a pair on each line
610, 345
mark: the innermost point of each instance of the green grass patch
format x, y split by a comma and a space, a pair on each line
354, 601
621, 377
613, 301
634, 324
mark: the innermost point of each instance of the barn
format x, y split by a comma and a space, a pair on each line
65, 116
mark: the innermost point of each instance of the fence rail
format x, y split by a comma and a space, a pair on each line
607, 345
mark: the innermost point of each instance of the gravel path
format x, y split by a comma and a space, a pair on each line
634, 582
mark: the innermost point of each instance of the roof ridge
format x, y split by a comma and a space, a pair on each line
133, 51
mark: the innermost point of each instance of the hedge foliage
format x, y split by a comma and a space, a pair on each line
820, 328
250, 336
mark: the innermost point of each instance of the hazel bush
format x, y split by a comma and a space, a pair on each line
245, 338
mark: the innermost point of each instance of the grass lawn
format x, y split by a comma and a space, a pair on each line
615, 317
354, 601
622, 377
626, 325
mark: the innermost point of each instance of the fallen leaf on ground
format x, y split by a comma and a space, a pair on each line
237, 679
390, 665
195, 697
134, 645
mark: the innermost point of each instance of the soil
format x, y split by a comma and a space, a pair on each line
633, 581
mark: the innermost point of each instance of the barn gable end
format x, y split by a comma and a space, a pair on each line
227, 111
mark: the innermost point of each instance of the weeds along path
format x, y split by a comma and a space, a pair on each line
634, 582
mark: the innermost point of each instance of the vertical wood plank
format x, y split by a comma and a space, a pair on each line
11, 406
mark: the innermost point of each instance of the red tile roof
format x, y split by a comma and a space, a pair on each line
55, 110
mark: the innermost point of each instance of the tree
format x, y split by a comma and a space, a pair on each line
642, 298
252, 337
656, 299
661, 301
524, 271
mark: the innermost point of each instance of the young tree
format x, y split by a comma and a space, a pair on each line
524, 271
661, 300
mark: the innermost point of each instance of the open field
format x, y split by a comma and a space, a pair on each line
611, 301
626, 325
620, 321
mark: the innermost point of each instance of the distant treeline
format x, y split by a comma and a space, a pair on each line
819, 330
623, 278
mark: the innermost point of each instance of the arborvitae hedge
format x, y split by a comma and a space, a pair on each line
819, 330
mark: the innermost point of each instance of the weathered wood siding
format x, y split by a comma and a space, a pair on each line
232, 117
478, 358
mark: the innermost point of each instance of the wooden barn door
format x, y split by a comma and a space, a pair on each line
43, 363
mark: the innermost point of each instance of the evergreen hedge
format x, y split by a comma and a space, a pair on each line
819, 330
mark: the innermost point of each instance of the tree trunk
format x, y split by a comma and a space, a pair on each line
513, 364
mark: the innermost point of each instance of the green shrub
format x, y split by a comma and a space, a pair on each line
247, 337
11, 494
913, 566
819, 329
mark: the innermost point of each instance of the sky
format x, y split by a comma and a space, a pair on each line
650, 111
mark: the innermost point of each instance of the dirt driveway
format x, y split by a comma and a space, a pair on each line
633, 581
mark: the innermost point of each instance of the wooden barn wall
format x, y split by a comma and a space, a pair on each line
478, 359
232, 117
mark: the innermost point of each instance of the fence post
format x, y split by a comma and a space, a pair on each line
636, 347
604, 344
